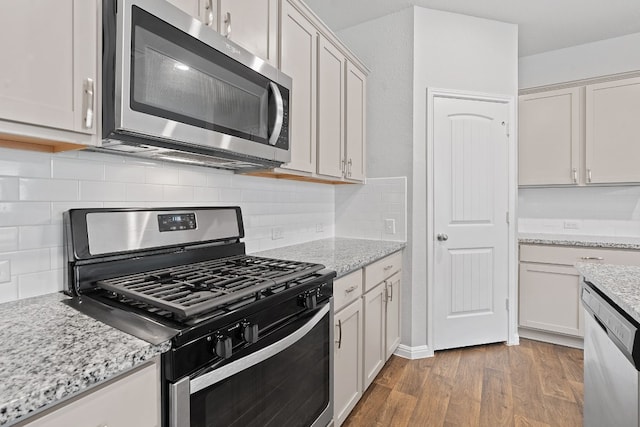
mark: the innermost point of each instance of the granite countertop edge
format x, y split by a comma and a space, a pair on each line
31, 388
341, 254
620, 283
613, 242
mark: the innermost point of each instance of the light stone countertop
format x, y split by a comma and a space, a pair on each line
50, 352
590, 241
343, 255
621, 283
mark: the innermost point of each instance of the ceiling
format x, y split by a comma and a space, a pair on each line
543, 24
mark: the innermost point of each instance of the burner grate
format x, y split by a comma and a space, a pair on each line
192, 289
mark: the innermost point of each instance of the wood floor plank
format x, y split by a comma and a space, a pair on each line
531, 385
392, 372
464, 404
497, 399
551, 373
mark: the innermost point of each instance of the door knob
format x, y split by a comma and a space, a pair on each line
442, 237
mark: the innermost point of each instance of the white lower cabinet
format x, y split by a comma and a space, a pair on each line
549, 302
130, 400
348, 360
374, 333
367, 329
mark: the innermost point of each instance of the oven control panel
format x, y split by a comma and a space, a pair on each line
177, 222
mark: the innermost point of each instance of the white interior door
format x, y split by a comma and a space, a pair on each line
471, 185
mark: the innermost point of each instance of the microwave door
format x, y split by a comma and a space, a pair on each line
176, 87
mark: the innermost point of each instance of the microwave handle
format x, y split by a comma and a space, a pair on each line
277, 126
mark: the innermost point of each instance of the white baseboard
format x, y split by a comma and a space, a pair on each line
552, 338
412, 353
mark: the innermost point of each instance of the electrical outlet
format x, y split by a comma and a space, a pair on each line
571, 225
319, 228
5, 271
277, 233
390, 226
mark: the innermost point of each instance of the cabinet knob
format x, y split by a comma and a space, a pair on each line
442, 237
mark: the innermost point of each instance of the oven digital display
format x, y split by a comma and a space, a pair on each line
177, 222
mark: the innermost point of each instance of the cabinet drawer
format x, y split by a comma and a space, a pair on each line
380, 270
570, 255
347, 289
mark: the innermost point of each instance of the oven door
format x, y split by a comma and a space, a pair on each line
284, 384
176, 79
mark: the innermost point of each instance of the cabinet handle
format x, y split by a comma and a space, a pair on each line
575, 175
589, 175
592, 258
390, 294
208, 18
350, 163
87, 96
227, 21
343, 166
339, 342
351, 289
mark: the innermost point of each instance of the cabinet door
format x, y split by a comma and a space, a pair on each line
298, 59
192, 7
613, 131
550, 298
348, 360
549, 137
252, 24
49, 63
356, 92
132, 400
393, 314
374, 333
330, 109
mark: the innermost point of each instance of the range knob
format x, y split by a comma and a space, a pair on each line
310, 301
223, 347
250, 332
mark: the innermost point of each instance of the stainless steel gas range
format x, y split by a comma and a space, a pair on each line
251, 337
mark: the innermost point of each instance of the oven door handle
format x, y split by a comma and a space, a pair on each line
215, 376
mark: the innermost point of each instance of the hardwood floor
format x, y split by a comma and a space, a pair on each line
534, 384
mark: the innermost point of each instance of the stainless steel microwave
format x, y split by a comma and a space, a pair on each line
175, 89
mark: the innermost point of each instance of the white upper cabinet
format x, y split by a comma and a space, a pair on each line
253, 24
613, 132
193, 8
549, 137
298, 59
331, 66
48, 76
355, 123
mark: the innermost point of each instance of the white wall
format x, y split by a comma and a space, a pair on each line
601, 58
445, 51
35, 188
361, 210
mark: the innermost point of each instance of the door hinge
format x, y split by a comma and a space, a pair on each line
506, 128
507, 217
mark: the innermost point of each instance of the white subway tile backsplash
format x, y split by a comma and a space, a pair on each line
24, 213
9, 189
160, 175
45, 282
35, 189
24, 163
144, 192
9, 290
31, 261
124, 173
177, 193
101, 191
62, 168
8, 239
40, 236
41, 187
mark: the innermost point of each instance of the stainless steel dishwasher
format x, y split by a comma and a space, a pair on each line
611, 357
